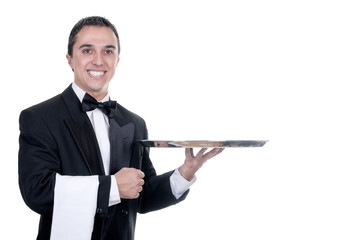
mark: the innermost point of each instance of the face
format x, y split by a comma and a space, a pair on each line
95, 58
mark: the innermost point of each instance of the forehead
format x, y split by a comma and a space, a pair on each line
95, 35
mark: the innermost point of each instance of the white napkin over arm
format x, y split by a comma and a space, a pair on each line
75, 203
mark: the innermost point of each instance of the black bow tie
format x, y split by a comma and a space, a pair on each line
89, 103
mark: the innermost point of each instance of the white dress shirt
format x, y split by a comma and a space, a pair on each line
100, 123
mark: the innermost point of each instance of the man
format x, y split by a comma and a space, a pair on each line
81, 166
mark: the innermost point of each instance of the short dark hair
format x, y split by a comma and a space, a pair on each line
90, 21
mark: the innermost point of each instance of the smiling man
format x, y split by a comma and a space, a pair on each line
81, 166
94, 58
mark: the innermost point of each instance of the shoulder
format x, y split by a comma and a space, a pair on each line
129, 115
50, 108
35, 119
49, 111
45, 105
46, 108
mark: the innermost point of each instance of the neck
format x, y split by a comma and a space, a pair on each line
97, 96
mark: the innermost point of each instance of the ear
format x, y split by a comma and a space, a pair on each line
70, 61
117, 61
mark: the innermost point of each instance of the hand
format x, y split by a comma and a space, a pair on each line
130, 182
193, 163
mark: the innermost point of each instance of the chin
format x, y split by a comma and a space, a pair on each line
99, 88
97, 84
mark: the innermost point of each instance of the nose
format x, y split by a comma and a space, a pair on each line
98, 59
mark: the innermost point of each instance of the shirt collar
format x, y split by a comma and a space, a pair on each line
80, 93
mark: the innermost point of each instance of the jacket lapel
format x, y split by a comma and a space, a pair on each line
121, 137
83, 133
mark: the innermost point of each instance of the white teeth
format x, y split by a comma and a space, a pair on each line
96, 73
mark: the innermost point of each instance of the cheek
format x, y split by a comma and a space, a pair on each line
80, 62
112, 63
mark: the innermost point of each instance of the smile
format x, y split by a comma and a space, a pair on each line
96, 73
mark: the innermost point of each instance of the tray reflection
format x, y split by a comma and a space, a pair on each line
203, 144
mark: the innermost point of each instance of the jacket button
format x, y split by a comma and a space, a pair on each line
125, 212
99, 210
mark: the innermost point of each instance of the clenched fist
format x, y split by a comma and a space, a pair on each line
130, 182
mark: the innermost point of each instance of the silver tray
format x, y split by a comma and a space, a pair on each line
204, 144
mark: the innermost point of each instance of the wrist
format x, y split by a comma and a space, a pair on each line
186, 174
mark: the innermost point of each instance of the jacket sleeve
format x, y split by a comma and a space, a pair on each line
38, 162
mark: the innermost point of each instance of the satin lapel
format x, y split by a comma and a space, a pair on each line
83, 133
121, 143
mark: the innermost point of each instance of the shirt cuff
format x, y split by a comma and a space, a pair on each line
179, 185
114, 197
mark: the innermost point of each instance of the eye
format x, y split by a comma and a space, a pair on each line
87, 50
108, 51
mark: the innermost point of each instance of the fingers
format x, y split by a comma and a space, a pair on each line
141, 181
135, 191
191, 152
193, 163
214, 152
141, 174
201, 154
130, 182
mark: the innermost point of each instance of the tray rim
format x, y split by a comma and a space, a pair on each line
206, 143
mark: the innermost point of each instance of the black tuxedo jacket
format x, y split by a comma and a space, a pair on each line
56, 136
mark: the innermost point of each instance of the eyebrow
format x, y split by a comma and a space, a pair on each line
91, 45
110, 46
85, 45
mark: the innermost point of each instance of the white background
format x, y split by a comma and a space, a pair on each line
285, 71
